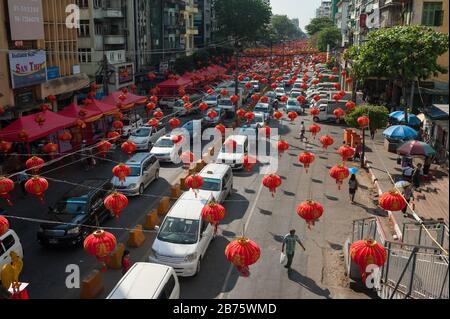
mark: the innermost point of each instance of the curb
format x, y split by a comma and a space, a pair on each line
397, 228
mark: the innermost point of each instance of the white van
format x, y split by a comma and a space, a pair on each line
218, 182
147, 281
183, 237
234, 158
9, 242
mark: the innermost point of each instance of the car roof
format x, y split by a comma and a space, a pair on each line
214, 170
135, 284
263, 104
138, 158
188, 206
87, 187
240, 139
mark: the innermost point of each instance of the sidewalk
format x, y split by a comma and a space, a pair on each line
431, 203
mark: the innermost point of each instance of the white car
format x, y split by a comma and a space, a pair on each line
218, 182
293, 105
280, 92
165, 149
226, 105
9, 242
131, 123
145, 136
211, 100
184, 237
234, 157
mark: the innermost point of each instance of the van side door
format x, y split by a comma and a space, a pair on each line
206, 234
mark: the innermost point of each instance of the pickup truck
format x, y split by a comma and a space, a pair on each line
327, 111
145, 136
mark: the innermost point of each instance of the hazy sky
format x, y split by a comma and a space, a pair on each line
305, 10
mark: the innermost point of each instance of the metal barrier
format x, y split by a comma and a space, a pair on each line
411, 271
414, 233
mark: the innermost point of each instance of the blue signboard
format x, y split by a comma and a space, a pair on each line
27, 68
53, 72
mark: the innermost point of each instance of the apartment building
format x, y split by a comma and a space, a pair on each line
203, 22
341, 20
325, 9
189, 28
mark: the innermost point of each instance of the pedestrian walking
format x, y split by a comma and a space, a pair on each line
409, 196
352, 187
22, 178
372, 133
427, 165
416, 176
303, 132
358, 152
289, 242
125, 262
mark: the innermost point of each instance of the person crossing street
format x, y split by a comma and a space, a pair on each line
289, 242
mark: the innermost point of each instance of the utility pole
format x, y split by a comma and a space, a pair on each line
236, 76
105, 75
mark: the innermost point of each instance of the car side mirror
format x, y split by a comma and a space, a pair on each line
157, 228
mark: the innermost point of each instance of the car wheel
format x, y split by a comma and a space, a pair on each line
316, 119
157, 175
141, 189
197, 271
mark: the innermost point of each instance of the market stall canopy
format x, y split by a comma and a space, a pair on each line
35, 126
399, 117
104, 108
124, 101
76, 112
400, 132
416, 148
174, 84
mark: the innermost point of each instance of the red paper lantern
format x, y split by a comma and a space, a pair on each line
113, 136
213, 213
34, 164
158, 115
337, 97
177, 139
151, 106
317, 98
203, 106
174, 123
103, 148
335, 69
283, 146
194, 182
100, 244
363, 122
65, 137
284, 99
306, 158
154, 99
264, 99
310, 211
315, 129
50, 148
301, 99
339, 113
116, 203
272, 182
274, 86
153, 122
5, 146
129, 148
326, 141
212, 114
37, 186
350, 106
392, 201
118, 125
234, 99
6, 186
304, 86
220, 128
315, 111
248, 85
346, 152
121, 171
292, 116
211, 92
151, 76
39, 119
186, 99
243, 253
349, 80
44, 107
241, 113
277, 115
339, 173
367, 252
337, 86
255, 98
250, 116
249, 162
224, 92
187, 158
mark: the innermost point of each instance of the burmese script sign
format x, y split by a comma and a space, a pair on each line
26, 20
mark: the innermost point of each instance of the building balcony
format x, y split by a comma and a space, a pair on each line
191, 31
114, 39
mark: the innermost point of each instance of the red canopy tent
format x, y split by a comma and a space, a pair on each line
30, 128
78, 113
129, 102
102, 107
170, 87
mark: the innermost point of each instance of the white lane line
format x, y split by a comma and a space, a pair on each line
223, 294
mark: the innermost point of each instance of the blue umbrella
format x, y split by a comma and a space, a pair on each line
399, 116
353, 170
400, 132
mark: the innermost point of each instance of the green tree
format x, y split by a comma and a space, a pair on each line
405, 53
285, 28
242, 18
318, 24
328, 36
201, 58
378, 115
184, 64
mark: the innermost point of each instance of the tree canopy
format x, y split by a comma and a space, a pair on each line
403, 52
318, 24
378, 116
285, 28
328, 36
242, 18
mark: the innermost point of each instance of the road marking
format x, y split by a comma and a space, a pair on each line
223, 295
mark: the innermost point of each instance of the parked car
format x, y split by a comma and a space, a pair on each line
295, 94
144, 170
165, 150
226, 105
217, 181
211, 100
82, 205
184, 237
131, 123
263, 108
234, 157
293, 105
327, 111
272, 99
256, 86
145, 281
167, 102
9, 242
280, 92
145, 136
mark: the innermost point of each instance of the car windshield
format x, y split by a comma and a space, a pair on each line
211, 184
142, 132
164, 143
226, 102
229, 150
135, 170
72, 206
280, 91
292, 103
261, 108
179, 231
211, 98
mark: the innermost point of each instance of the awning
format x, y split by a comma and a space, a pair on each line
102, 107
129, 102
65, 84
78, 113
30, 129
